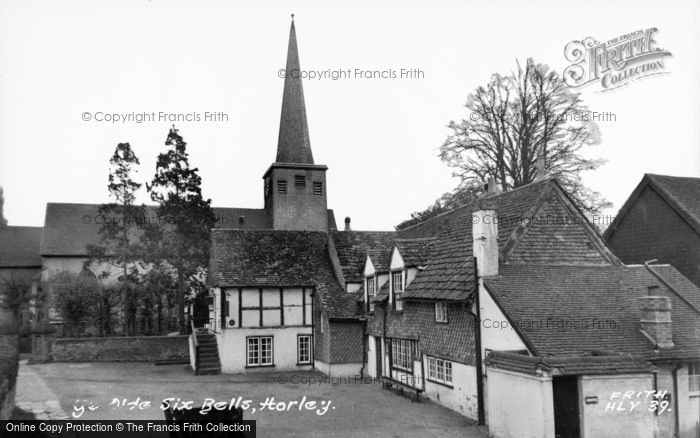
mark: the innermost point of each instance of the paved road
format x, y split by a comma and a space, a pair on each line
341, 408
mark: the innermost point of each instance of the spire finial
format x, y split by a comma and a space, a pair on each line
292, 18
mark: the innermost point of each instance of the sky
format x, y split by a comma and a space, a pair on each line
379, 137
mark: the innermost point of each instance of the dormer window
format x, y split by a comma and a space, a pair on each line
371, 292
282, 186
441, 312
397, 289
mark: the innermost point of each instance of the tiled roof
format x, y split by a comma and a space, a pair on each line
537, 223
415, 252
353, 246
241, 258
19, 247
70, 228
449, 272
681, 193
569, 365
574, 310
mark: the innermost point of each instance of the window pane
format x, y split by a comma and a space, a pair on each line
448, 372
266, 351
253, 351
304, 349
431, 368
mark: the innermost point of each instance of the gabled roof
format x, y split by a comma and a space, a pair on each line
449, 272
537, 223
681, 193
70, 228
354, 246
19, 247
415, 252
574, 310
275, 258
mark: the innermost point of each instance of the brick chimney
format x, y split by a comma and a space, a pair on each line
347, 224
492, 188
656, 319
540, 172
485, 237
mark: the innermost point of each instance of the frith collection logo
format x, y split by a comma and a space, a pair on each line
616, 62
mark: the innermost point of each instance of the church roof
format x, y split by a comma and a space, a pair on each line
276, 258
70, 228
19, 247
293, 145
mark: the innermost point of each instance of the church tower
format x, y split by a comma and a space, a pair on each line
295, 187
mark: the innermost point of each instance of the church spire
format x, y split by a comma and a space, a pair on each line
293, 145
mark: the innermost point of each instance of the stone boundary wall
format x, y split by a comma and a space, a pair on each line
120, 349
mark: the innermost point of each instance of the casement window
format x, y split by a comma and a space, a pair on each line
259, 351
282, 186
300, 181
441, 312
318, 188
304, 349
401, 354
397, 288
370, 283
440, 370
694, 376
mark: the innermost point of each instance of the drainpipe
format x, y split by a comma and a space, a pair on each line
382, 342
477, 344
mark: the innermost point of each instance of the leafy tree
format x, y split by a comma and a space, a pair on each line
119, 245
17, 290
516, 119
157, 287
75, 297
187, 218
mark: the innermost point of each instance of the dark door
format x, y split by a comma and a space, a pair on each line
378, 355
566, 413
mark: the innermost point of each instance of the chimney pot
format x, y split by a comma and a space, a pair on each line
656, 319
347, 223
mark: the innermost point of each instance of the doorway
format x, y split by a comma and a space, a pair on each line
566, 407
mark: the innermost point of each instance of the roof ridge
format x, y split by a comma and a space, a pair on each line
528, 185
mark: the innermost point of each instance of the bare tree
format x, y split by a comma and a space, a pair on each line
516, 119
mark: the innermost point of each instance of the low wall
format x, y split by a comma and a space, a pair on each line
120, 349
